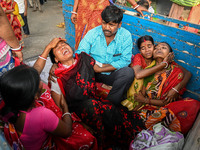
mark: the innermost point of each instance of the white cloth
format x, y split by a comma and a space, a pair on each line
151, 10
45, 72
55, 87
21, 6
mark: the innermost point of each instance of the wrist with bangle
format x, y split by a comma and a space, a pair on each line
42, 58
73, 12
17, 49
175, 90
66, 113
135, 6
164, 62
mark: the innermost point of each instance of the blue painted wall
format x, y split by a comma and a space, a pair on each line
186, 45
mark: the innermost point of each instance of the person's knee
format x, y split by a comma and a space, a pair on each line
127, 73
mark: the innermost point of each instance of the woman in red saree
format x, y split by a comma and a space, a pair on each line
76, 80
156, 107
10, 8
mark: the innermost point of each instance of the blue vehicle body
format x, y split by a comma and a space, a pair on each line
186, 45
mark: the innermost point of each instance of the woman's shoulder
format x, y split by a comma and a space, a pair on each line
138, 55
40, 109
138, 59
86, 58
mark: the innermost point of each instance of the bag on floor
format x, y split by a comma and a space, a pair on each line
160, 138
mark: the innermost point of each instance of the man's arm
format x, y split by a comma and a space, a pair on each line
85, 44
104, 68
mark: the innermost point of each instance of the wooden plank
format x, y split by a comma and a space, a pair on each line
192, 141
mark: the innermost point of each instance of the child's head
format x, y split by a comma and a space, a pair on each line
144, 3
146, 46
19, 87
62, 52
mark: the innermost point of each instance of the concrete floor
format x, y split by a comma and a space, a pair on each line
43, 28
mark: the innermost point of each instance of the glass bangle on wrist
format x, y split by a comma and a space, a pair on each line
42, 58
67, 113
175, 90
17, 49
73, 12
136, 7
164, 62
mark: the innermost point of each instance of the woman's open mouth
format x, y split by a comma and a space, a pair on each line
65, 52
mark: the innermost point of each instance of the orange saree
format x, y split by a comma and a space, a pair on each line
88, 17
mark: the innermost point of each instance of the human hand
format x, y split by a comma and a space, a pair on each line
19, 54
140, 9
74, 18
54, 42
171, 96
51, 73
138, 106
97, 69
139, 97
169, 58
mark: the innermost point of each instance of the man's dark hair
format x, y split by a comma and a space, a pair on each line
112, 14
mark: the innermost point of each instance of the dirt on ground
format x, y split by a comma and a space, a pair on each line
43, 28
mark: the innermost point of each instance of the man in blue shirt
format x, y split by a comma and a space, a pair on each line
111, 46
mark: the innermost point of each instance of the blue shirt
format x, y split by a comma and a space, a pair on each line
118, 53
